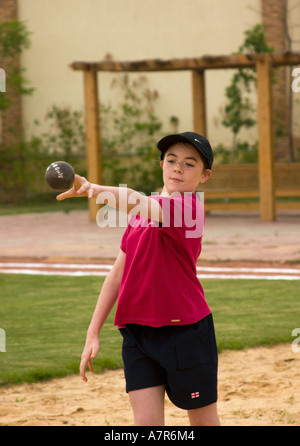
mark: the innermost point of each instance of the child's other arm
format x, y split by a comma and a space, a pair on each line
107, 298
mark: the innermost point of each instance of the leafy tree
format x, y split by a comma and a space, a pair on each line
239, 110
14, 38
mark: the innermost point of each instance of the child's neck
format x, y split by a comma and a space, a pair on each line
165, 193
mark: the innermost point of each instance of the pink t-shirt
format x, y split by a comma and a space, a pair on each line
159, 284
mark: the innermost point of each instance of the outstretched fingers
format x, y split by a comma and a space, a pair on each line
81, 188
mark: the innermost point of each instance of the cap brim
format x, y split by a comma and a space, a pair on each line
169, 140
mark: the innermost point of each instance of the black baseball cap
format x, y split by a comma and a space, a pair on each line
196, 140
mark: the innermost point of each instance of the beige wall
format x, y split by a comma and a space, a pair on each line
68, 30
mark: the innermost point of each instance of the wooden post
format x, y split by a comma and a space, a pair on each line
93, 141
199, 106
266, 139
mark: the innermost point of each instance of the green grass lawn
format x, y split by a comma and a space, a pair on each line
45, 319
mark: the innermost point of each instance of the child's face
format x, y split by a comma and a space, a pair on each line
183, 169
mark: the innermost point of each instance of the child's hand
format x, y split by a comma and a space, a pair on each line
81, 188
90, 352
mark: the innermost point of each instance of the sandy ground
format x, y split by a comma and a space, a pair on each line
257, 387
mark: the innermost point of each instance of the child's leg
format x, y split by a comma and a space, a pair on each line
205, 416
148, 406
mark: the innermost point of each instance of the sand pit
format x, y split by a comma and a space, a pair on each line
257, 387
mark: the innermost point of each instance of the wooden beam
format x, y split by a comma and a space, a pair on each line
198, 63
199, 106
93, 146
167, 65
266, 139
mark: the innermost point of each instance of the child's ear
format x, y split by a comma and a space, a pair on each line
206, 175
161, 164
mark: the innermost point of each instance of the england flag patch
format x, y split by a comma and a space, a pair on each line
195, 395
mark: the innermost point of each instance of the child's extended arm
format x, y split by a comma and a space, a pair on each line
125, 199
106, 301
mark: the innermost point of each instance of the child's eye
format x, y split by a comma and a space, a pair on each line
190, 165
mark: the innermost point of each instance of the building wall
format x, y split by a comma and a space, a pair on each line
70, 30
64, 31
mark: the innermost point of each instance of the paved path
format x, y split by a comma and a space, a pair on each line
100, 269
41, 243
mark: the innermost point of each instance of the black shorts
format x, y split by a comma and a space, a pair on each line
183, 358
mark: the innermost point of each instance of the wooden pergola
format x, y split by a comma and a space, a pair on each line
263, 62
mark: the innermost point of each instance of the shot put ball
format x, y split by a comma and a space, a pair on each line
60, 175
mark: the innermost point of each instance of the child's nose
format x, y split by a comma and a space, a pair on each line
178, 167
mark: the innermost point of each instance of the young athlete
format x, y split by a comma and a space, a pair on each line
167, 327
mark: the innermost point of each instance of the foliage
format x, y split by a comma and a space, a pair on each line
66, 135
23, 164
14, 38
255, 41
130, 132
239, 110
244, 153
14, 168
